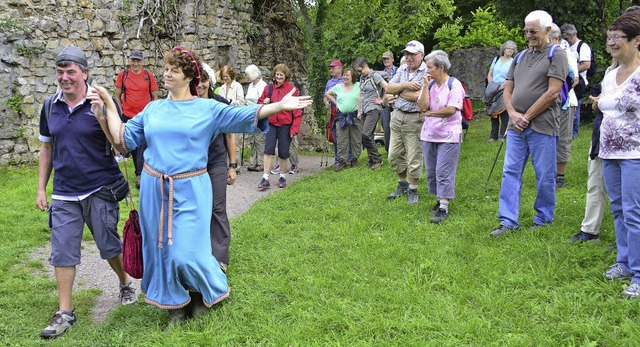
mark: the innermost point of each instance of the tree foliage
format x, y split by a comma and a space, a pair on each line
484, 30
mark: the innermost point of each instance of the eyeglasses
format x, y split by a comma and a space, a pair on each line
615, 38
530, 31
358, 69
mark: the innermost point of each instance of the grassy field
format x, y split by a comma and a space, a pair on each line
330, 262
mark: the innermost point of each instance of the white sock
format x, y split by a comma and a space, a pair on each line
283, 175
445, 206
413, 186
265, 176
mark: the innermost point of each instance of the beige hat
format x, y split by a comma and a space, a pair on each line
388, 55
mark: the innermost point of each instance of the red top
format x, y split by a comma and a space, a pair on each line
137, 93
284, 117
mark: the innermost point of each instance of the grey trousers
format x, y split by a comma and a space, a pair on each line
219, 229
441, 163
256, 141
370, 121
351, 134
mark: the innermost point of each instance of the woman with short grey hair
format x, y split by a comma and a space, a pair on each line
255, 141
440, 102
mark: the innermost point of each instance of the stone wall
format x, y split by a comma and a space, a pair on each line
471, 66
32, 32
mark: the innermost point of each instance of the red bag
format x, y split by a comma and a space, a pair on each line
132, 246
328, 134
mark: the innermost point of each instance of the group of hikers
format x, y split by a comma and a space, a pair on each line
174, 142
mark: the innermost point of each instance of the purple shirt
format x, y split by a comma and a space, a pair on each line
330, 84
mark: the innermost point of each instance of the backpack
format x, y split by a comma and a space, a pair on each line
592, 69
568, 81
124, 77
467, 106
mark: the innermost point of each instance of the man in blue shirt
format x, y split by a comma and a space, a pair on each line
336, 78
76, 148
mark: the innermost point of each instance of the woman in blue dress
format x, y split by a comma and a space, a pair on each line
180, 274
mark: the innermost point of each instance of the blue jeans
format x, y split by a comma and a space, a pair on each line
576, 121
623, 185
542, 149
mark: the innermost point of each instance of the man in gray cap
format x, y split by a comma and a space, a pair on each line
75, 147
387, 107
135, 88
405, 149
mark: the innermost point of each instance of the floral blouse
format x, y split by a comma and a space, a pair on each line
620, 106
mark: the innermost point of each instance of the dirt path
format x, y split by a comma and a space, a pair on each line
94, 272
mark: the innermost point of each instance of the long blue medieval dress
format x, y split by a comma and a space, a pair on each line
178, 134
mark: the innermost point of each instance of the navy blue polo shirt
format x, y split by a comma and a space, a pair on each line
82, 159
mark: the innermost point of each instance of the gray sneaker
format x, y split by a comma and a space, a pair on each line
616, 272
435, 209
413, 196
401, 189
60, 323
128, 294
632, 291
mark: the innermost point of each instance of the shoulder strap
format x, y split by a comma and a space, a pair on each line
431, 83
578, 48
552, 51
373, 82
270, 91
124, 77
495, 60
48, 106
519, 56
450, 82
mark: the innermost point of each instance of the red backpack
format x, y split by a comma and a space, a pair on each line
467, 106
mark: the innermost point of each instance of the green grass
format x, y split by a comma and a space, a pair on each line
330, 262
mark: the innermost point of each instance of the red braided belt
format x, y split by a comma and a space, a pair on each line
169, 178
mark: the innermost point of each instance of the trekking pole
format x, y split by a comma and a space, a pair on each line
495, 160
242, 152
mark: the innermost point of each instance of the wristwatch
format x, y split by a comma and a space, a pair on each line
233, 165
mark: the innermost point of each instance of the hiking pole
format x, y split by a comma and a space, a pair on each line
242, 152
495, 160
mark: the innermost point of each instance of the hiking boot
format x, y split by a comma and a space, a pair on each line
376, 166
401, 189
584, 237
176, 317
354, 162
293, 169
616, 272
435, 209
441, 216
138, 182
501, 229
276, 170
197, 304
254, 168
341, 165
60, 323
282, 182
560, 182
413, 196
264, 184
127, 294
632, 291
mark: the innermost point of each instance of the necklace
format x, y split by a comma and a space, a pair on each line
192, 97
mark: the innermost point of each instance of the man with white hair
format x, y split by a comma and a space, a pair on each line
531, 96
405, 149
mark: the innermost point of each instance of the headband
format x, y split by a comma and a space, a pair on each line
196, 79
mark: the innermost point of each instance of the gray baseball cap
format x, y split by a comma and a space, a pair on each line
135, 54
74, 54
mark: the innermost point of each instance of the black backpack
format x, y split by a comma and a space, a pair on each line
592, 69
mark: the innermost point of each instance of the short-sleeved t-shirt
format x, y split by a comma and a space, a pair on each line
347, 101
82, 158
583, 55
444, 129
369, 90
137, 91
531, 80
500, 70
330, 84
619, 103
